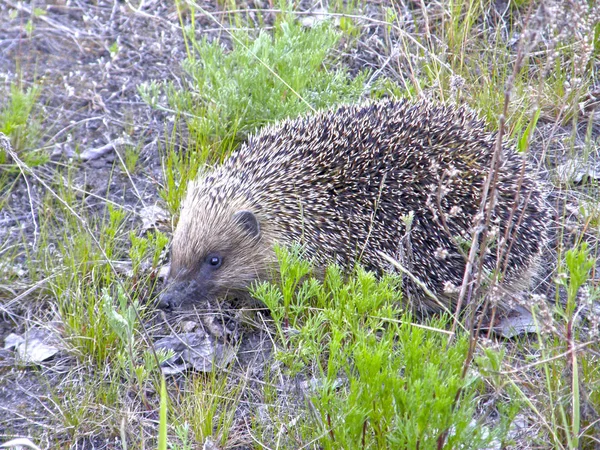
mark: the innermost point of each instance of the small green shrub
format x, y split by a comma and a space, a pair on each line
383, 381
18, 122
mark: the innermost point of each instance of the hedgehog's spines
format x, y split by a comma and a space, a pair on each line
340, 181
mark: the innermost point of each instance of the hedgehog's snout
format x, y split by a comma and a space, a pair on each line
168, 300
177, 294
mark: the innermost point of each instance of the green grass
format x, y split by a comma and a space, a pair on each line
19, 122
98, 300
562, 376
84, 279
381, 380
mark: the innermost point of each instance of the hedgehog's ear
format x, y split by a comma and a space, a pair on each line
248, 221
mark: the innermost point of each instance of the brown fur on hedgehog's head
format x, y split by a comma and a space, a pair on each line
218, 249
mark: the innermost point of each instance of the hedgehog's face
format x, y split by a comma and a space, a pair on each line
214, 254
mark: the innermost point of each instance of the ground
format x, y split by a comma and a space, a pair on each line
90, 100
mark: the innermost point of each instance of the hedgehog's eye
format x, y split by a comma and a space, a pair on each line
214, 261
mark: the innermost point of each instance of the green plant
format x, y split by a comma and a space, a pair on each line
21, 125
210, 409
383, 381
162, 422
578, 264
131, 157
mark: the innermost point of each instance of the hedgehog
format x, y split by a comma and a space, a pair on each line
369, 184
